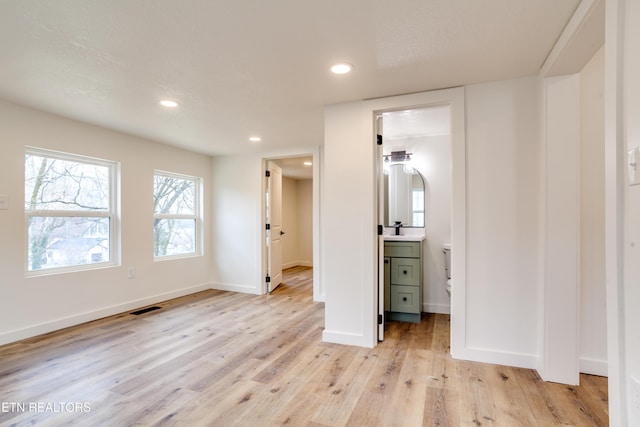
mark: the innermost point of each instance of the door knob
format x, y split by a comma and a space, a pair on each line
281, 233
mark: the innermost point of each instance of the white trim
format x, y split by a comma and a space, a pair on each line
614, 153
77, 319
594, 367
112, 214
455, 97
338, 337
571, 32
196, 215
297, 264
231, 287
519, 360
436, 308
318, 286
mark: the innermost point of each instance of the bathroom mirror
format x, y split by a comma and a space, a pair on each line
404, 192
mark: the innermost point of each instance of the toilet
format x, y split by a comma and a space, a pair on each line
446, 249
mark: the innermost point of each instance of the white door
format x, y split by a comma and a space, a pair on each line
274, 229
381, 202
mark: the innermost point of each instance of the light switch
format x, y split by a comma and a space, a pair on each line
4, 202
633, 158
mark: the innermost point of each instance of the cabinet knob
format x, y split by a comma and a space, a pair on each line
404, 299
404, 272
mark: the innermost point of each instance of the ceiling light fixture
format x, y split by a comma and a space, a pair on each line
255, 139
397, 157
341, 68
168, 103
307, 163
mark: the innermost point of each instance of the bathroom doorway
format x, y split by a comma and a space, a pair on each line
294, 241
423, 136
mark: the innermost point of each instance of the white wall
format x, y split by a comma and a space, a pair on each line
305, 222
297, 222
237, 222
496, 319
349, 217
431, 156
593, 307
40, 304
289, 222
502, 221
348, 225
237, 228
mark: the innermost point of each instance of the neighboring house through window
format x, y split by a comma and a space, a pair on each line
176, 215
71, 212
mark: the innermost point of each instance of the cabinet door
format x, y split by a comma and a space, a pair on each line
405, 299
387, 283
405, 271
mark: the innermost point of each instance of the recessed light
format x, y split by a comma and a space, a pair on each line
341, 68
168, 103
307, 163
255, 139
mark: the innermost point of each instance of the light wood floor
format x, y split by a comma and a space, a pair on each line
224, 359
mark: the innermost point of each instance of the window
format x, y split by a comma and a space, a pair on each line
70, 209
418, 207
175, 215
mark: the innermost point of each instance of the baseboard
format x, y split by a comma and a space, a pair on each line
345, 338
236, 288
297, 264
436, 308
594, 367
518, 360
77, 319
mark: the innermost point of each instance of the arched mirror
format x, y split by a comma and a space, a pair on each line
404, 191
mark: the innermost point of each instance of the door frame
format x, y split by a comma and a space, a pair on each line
455, 98
315, 153
272, 242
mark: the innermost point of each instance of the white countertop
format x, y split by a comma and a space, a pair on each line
404, 237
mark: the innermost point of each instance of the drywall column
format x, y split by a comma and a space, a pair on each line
348, 231
593, 310
561, 238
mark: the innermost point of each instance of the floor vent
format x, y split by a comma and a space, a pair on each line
146, 310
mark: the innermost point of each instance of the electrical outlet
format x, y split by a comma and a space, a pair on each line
132, 273
634, 398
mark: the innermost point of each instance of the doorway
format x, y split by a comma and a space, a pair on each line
423, 135
289, 201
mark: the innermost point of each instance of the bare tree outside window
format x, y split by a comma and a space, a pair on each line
175, 219
69, 210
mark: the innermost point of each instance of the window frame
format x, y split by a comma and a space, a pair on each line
196, 216
112, 214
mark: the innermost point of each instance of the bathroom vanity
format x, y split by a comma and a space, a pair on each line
403, 277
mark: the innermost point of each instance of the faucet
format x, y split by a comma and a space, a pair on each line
397, 226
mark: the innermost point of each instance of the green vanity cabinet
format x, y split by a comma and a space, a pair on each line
403, 280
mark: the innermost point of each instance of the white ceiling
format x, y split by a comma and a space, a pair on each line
246, 67
417, 123
294, 167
